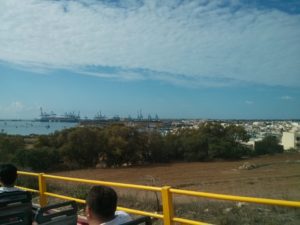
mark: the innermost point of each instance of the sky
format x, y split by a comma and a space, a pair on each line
201, 59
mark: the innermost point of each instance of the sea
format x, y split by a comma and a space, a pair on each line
28, 127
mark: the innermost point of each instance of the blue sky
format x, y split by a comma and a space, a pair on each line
177, 59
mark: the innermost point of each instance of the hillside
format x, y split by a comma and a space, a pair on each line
275, 176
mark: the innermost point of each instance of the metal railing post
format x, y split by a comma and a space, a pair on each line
168, 210
42, 190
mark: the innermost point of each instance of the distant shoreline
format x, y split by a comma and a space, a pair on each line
32, 127
171, 119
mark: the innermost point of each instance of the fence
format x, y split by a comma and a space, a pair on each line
166, 194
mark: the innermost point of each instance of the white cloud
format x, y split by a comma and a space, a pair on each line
14, 106
198, 39
286, 97
17, 109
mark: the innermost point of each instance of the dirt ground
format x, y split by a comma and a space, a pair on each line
275, 176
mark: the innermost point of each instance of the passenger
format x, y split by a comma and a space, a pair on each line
8, 176
101, 204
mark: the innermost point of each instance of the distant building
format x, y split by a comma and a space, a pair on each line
251, 142
291, 140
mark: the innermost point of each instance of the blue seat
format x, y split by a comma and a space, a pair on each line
141, 220
15, 208
64, 213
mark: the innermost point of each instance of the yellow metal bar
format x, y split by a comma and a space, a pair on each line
115, 184
167, 205
185, 221
237, 198
167, 192
28, 173
159, 216
42, 190
142, 213
28, 189
64, 197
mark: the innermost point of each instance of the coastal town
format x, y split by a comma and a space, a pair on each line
287, 132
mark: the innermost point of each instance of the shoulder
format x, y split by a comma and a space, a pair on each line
121, 213
9, 189
121, 217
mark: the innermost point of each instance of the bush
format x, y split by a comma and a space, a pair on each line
9, 145
82, 147
269, 145
38, 159
119, 145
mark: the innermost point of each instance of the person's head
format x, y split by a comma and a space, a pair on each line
101, 204
8, 174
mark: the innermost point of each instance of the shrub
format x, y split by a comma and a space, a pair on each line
38, 159
269, 145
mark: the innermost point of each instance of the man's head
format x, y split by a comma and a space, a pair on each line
8, 174
101, 203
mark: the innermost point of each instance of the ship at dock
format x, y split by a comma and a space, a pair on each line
70, 117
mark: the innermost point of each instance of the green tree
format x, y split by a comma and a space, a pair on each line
122, 145
173, 146
194, 145
237, 133
269, 145
38, 159
9, 145
155, 150
82, 147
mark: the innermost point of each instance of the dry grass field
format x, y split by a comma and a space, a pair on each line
275, 176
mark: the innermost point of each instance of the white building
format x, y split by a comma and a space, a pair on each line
291, 140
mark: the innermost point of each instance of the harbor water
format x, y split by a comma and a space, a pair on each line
27, 127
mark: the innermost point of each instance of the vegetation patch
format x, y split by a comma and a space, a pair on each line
119, 145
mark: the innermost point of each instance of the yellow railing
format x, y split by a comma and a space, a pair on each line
166, 195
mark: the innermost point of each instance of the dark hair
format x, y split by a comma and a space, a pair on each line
102, 201
8, 174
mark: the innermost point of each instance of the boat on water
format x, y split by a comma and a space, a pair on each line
71, 117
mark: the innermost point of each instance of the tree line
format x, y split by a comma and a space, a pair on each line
119, 145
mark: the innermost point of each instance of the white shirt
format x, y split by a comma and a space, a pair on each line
9, 189
121, 217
